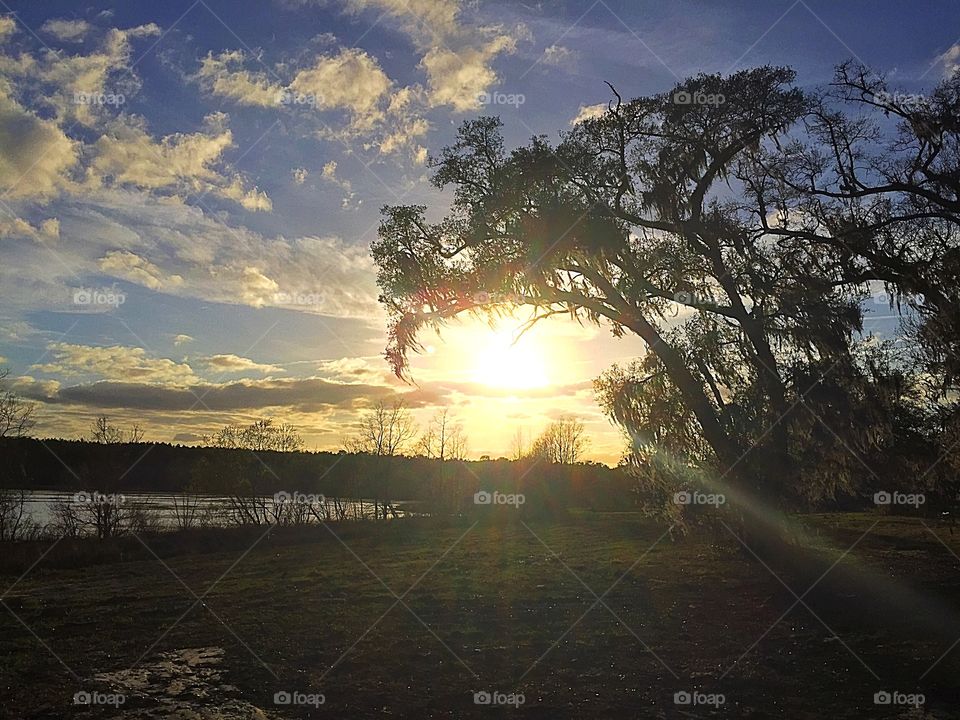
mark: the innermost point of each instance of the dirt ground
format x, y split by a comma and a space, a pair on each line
598, 616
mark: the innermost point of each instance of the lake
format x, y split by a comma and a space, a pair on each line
162, 506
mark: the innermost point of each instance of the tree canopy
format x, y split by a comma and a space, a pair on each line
738, 238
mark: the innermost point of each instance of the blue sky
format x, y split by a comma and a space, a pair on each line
188, 190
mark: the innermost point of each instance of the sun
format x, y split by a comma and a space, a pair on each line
503, 363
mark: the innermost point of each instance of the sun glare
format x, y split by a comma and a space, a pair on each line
503, 363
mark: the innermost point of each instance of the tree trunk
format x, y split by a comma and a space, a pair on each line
755, 499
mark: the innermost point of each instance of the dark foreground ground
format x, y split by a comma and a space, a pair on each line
592, 617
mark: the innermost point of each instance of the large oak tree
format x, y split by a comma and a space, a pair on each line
669, 217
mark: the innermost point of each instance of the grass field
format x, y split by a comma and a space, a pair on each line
598, 616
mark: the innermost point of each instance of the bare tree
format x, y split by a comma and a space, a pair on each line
444, 438
287, 439
249, 490
15, 522
260, 436
518, 448
385, 432
187, 511
228, 437
563, 441
16, 414
105, 515
106, 434
16, 418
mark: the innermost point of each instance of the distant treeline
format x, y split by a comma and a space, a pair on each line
29, 463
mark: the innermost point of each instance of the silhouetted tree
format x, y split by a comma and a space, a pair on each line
16, 420
101, 509
251, 485
671, 217
875, 180
443, 440
622, 223
385, 432
107, 434
16, 414
562, 441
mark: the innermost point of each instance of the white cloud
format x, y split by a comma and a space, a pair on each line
130, 266
36, 389
230, 265
588, 112
299, 175
252, 199
18, 331
223, 75
117, 362
251, 285
404, 135
356, 369
90, 75
8, 26
129, 154
950, 60
180, 163
558, 55
67, 30
229, 363
217, 262
330, 170
181, 339
456, 56
440, 17
351, 80
48, 229
347, 80
458, 78
37, 158
329, 174
35, 155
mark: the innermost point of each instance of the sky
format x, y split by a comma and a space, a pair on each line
189, 190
